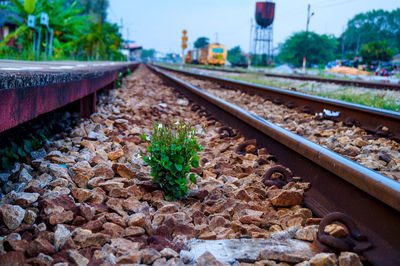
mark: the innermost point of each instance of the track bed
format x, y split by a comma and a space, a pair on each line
371, 150
90, 199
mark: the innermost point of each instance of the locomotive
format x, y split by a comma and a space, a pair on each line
213, 54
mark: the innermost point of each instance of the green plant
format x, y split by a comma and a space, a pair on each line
171, 154
119, 79
376, 51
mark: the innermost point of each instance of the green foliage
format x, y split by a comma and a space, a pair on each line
201, 42
376, 25
318, 49
17, 152
148, 54
102, 41
376, 51
29, 6
76, 36
118, 81
97, 9
235, 56
171, 154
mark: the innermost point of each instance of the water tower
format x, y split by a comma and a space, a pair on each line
261, 40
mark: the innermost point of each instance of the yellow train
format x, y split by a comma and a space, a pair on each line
213, 54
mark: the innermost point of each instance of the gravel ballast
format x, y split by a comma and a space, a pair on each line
92, 201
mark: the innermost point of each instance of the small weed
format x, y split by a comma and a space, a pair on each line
171, 154
119, 80
128, 72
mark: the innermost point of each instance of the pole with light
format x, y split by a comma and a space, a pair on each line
184, 45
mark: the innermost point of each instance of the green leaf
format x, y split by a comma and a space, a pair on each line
18, 4
195, 163
179, 159
29, 6
178, 167
192, 178
143, 137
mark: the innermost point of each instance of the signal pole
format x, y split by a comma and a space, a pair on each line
184, 45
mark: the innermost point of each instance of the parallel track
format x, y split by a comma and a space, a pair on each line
337, 183
345, 82
370, 118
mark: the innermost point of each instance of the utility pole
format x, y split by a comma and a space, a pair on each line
343, 40
309, 15
216, 37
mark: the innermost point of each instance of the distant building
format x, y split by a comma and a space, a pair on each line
396, 60
133, 50
7, 25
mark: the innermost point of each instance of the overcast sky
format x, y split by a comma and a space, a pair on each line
158, 24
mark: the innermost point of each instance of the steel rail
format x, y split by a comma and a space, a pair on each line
370, 118
337, 183
346, 82
23, 103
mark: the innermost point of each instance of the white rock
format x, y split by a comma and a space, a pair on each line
61, 235
13, 215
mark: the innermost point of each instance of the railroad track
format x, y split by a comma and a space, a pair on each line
370, 118
356, 83
332, 130
337, 184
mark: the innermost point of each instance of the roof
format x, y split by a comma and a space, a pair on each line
5, 17
132, 46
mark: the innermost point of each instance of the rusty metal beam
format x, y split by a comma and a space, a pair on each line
18, 105
337, 183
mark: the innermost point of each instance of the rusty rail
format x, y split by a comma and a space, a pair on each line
337, 184
20, 103
345, 82
370, 118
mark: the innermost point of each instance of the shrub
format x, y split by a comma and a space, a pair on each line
171, 154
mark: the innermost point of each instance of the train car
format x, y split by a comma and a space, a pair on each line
189, 57
213, 54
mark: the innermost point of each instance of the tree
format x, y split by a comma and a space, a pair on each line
236, 57
318, 49
102, 41
376, 25
376, 51
201, 42
96, 9
65, 21
75, 36
148, 54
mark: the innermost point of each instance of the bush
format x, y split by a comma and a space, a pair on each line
376, 51
171, 154
317, 49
